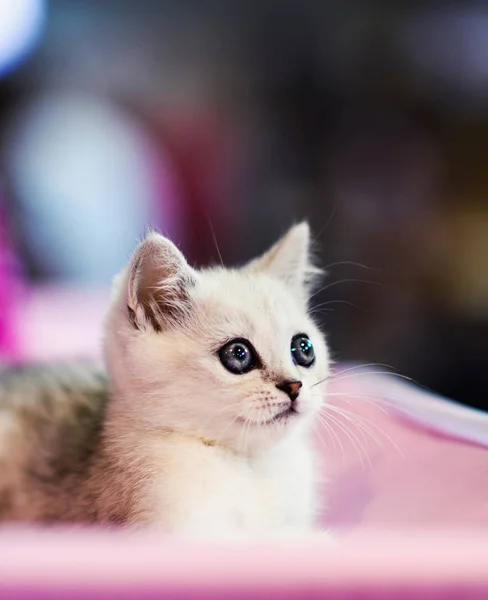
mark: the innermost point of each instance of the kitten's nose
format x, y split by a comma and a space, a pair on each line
292, 388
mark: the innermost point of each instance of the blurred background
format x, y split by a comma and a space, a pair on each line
232, 120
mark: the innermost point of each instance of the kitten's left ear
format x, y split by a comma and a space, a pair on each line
289, 261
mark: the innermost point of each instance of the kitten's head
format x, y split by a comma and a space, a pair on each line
230, 356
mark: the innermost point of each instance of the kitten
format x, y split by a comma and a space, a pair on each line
204, 428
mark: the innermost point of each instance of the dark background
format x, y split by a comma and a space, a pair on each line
370, 119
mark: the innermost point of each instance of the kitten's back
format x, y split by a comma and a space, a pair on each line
50, 422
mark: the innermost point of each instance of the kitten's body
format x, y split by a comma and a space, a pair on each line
51, 418
55, 465
179, 442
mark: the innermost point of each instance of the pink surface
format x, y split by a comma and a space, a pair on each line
91, 564
413, 474
422, 467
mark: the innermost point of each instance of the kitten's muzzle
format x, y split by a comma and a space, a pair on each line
291, 388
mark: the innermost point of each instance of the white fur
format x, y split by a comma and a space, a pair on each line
192, 432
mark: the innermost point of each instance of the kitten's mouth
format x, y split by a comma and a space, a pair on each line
284, 415
281, 417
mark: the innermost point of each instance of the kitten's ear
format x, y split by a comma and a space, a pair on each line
289, 260
159, 282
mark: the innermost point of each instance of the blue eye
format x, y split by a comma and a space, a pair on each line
302, 350
238, 356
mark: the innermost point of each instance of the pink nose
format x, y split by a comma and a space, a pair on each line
291, 388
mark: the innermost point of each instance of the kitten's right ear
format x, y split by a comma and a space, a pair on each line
289, 261
159, 283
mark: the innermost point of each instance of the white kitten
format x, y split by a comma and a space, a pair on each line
215, 375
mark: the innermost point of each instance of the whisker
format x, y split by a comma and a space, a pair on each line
330, 429
334, 283
269, 415
351, 437
370, 423
331, 435
355, 420
355, 368
313, 309
362, 366
393, 374
215, 240
362, 431
219, 437
222, 410
318, 431
247, 427
352, 263
241, 433
369, 398
329, 221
